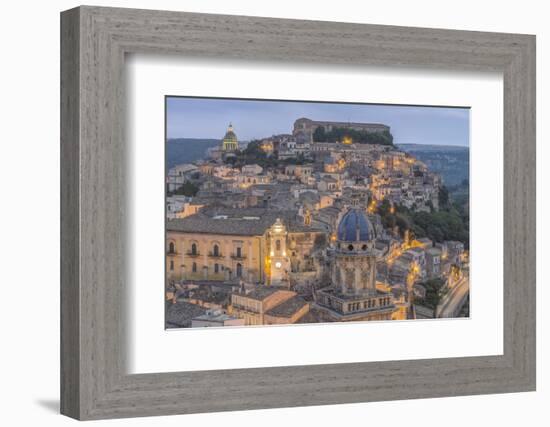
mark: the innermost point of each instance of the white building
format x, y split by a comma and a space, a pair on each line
215, 318
178, 175
252, 169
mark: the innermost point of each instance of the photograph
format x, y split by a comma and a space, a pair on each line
296, 212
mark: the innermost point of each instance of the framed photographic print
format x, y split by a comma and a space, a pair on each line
285, 213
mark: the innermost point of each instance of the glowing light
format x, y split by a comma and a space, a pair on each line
347, 140
278, 265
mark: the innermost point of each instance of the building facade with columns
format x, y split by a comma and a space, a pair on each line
353, 294
228, 245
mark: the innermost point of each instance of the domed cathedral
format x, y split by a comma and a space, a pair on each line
354, 267
229, 141
353, 294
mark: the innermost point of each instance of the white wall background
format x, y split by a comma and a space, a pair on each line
29, 218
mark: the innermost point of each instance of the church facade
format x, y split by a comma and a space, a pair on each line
256, 245
353, 294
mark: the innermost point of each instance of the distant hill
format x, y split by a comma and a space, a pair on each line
187, 150
450, 161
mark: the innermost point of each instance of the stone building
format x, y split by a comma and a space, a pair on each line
215, 318
228, 245
266, 305
353, 294
304, 128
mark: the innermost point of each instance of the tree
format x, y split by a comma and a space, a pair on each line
438, 226
337, 134
187, 189
319, 134
443, 197
433, 289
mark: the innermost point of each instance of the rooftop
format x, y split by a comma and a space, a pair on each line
337, 293
179, 315
214, 317
287, 308
260, 293
235, 222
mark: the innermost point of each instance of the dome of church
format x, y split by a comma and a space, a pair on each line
355, 227
230, 135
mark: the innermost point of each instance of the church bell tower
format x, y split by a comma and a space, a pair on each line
278, 257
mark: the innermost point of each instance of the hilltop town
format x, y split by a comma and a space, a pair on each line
330, 222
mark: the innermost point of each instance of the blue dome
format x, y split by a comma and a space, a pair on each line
354, 226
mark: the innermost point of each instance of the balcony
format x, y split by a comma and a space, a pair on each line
193, 254
172, 253
238, 257
213, 255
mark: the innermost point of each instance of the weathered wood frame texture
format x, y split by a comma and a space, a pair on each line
94, 41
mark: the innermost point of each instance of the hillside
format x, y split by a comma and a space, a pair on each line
186, 150
451, 162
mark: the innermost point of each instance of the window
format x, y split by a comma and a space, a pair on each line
171, 265
239, 270
171, 248
278, 245
194, 267
216, 251
194, 249
239, 252
216, 268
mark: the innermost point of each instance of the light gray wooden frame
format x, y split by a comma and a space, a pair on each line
94, 41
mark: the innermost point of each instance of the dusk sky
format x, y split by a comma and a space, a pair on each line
209, 118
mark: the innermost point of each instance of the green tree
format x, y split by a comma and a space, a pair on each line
433, 292
319, 134
443, 197
337, 134
188, 189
